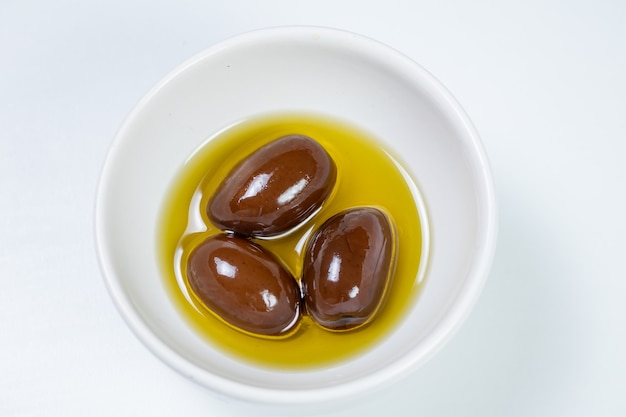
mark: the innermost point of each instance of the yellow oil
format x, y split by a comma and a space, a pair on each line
366, 176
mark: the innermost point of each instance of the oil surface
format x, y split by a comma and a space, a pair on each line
366, 176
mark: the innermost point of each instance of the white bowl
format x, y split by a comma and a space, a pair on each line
316, 70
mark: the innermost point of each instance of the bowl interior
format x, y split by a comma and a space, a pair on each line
309, 70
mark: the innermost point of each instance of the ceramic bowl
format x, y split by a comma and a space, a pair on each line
301, 69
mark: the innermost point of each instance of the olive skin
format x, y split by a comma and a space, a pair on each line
348, 267
244, 285
274, 189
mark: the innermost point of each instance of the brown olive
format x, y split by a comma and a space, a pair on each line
274, 189
244, 285
347, 268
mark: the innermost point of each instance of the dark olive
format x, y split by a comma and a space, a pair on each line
347, 268
244, 285
274, 189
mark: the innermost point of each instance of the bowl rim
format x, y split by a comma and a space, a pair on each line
452, 321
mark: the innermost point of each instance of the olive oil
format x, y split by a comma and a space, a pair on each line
367, 175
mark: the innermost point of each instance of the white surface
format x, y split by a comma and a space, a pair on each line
544, 84
408, 110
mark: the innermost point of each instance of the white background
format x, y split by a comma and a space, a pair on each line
543, 81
